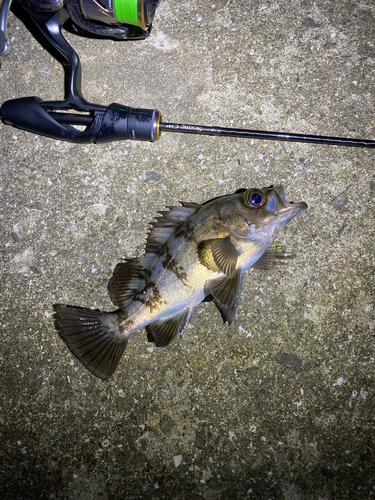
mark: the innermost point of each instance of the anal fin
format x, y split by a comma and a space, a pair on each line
163, 331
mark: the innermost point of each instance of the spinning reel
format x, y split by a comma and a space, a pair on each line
116, 19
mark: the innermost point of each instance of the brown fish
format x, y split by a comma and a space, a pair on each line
193, 253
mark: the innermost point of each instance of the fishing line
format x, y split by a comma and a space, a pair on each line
360, 4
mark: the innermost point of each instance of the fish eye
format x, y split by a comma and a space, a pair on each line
254, 198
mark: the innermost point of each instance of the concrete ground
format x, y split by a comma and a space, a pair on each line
280, 405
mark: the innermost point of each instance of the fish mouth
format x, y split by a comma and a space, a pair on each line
292, 211
288, 210
278, 204
282, 210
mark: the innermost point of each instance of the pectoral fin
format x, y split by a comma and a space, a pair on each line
226, 293
163, 331
275, 256
218, 255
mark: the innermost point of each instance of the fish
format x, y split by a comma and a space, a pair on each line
194, 252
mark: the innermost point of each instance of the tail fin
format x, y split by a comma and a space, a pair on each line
93, 337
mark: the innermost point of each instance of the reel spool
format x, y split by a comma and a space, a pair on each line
121, 19
138, 13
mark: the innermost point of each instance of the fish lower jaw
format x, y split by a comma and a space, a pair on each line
262, 242
292, 210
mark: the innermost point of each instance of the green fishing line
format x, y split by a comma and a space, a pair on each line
126, 11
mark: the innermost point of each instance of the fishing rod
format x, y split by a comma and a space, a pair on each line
119, 20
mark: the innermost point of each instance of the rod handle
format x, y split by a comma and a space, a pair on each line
114, 123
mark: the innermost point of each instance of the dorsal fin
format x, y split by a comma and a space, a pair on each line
164, 226
127, 278
188, 204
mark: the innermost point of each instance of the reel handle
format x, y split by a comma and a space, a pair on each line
114, 123
4, 11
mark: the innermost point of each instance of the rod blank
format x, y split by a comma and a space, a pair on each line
258, 134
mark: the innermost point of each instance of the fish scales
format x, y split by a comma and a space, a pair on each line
193, 253
176, 268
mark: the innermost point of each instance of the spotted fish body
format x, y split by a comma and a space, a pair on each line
193, 253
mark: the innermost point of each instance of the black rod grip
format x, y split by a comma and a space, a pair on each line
124, 123
115, 123
27, 113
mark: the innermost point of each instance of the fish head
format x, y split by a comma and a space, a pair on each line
259, 214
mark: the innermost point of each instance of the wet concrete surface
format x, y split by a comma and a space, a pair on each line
281, 404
